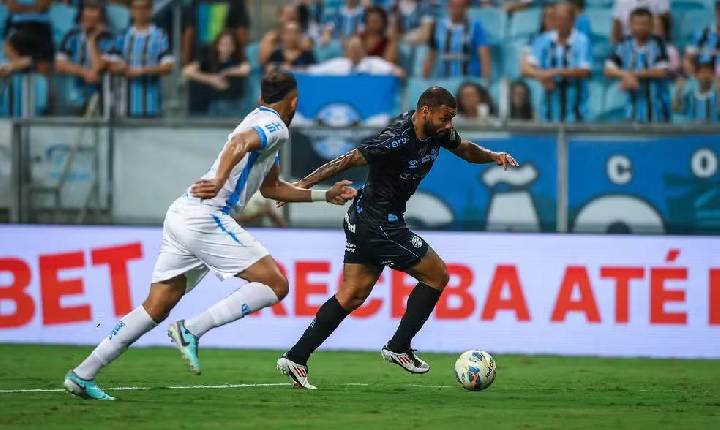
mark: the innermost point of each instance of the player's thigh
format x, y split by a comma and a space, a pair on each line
358, 282
430, 270
266, 271
175, 259
224, 246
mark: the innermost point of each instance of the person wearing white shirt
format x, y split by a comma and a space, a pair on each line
623, 8
356, 60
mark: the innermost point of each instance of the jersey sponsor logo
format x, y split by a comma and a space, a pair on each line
274, 126
392, 217
416, 241
397, 142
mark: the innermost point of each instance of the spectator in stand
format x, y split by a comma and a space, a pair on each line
272, 40
206, 19
704, 46
375, 37
560, 60
458, 46
291, 55
474, 104
144, 55
660, 10
698, 99
520, 101
346, 23
582, 21
356, 60
217, 82
28, 36
412, 21
640, 62
86, 52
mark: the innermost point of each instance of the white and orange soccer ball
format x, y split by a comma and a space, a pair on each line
475, 370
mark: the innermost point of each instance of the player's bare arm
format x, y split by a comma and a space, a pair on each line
232, 154
350, 159
475, 153
275, 188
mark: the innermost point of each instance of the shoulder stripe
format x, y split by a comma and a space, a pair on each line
263, 137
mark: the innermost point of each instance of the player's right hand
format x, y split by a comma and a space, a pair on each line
341, 192
205, 188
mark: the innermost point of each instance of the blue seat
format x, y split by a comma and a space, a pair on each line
252, 92
62, 18
601, 21
596, 94
3, 17
599, 3
512, 57
690, 23
406, 57
421, 53
600, 48
332, 50
493, 21
686, 5
525, 23
118, 17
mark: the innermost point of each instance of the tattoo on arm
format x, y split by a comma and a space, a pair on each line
342, 163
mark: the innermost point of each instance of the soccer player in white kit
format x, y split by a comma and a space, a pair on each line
200, 236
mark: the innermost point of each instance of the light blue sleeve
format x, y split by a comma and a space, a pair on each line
584, 60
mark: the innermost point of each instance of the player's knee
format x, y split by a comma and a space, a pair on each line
280, 286
351, 299
440, 278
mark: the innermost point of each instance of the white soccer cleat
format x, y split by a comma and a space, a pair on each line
296, 372
407, 360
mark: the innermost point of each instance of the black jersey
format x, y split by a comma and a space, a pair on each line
398, 162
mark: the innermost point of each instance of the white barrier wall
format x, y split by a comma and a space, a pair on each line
596, 295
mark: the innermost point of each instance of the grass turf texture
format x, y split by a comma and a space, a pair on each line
529, 393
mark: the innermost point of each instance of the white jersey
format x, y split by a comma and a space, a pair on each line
247, 176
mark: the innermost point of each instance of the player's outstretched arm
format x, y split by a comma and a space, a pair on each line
275, 188
340, 164
232, 154
475, 153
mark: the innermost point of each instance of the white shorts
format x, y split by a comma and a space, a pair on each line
197, 239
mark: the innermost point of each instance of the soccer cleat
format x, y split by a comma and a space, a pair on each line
407, 360
84, 388
187, 343
296, 372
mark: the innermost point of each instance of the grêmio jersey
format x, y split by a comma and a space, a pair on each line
398, 161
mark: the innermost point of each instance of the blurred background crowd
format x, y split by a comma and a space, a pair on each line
644, 61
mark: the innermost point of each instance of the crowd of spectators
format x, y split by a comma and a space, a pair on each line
559, 65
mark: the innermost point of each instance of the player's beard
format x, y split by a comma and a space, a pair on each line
292, 115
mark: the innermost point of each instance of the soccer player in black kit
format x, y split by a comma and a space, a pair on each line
399, 157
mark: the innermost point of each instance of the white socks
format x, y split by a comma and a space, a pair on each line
249, 298
128, 330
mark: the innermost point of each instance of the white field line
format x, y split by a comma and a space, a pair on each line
201, 387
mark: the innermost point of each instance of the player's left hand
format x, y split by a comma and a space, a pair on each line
506, 160
340, 193
205, 188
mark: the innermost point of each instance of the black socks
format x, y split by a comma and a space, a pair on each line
327, 319
420, 305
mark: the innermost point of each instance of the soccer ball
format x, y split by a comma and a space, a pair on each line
475, 370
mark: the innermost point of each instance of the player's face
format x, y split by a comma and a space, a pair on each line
438, 121
292, 107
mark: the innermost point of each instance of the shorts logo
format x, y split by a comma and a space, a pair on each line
387, 263
416, 241
350, 247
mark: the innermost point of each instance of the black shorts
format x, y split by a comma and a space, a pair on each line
32, 39
382, 243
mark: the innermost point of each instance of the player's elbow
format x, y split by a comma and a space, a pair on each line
269, 191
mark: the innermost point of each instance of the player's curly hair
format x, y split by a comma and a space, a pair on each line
276, 85
436, 96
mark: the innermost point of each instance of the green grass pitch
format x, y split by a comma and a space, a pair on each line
359, 390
